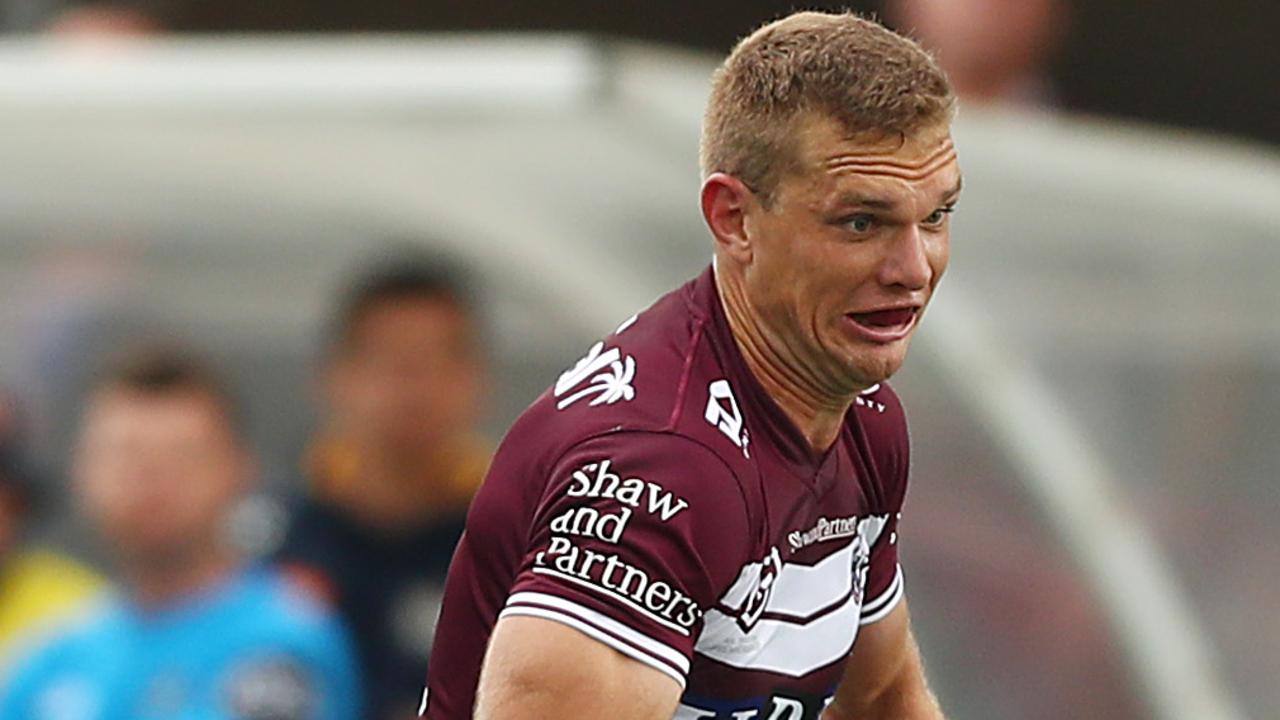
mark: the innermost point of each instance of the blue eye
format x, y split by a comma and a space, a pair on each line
938, 216
860, 223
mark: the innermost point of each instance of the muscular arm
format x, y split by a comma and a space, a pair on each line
538, 669
884, 679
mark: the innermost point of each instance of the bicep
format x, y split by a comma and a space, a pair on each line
540, 669
882, 650
884, 677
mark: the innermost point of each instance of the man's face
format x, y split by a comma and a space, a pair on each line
407, 376
157, 472
847, 257
1002, 38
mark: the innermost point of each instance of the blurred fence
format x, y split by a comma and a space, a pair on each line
1094, 398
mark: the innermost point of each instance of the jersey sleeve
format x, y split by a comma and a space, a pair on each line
635, 537
884, 586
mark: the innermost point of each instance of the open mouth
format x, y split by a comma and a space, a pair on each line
884, 326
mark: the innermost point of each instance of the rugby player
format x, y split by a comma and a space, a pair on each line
700, 518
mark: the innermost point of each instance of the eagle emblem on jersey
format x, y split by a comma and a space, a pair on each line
604, 373
758, 598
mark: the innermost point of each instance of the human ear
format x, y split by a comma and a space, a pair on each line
725, 200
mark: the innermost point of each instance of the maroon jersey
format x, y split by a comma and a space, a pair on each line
657, 500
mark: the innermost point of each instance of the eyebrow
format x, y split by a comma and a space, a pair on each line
866, 201
873, 202
955, 191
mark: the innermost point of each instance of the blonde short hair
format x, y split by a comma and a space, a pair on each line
841, 66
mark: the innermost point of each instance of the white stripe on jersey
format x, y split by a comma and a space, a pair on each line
613, 596
811, 617
879, 608
803, 590
781, 646
654, 654
604, 622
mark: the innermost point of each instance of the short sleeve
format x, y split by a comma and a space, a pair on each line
636, 535
884, 587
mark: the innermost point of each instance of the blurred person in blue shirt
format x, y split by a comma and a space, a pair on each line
193, 632
394, 468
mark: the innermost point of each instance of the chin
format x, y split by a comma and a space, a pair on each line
869, 368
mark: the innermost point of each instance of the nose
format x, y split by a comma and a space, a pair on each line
906, 261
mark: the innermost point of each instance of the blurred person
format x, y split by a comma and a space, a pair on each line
699, 519
193, 631
105, 19
991, 50
38, 586
395, 466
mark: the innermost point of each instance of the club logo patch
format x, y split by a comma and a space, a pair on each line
722, 412
758, 598
604, 375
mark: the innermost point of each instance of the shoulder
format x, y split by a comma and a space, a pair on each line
52, 570
41, 589
286, 601
41, 652
672, 460
287, 613
669, 491
291, 652
283, 632
629, 380
645, 527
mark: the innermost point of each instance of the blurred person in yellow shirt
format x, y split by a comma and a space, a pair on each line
38, 586
390, 476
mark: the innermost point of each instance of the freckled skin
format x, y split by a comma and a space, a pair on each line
804, 269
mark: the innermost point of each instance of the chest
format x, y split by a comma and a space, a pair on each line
390, 591
152, 675
776, 642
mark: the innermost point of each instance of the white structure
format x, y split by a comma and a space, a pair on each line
227, 183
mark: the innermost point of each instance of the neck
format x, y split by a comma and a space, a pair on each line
401, 490
157, 582
816, 409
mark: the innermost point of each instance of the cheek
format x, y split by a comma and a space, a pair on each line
460, 388
91, 497
939, 254
103, 489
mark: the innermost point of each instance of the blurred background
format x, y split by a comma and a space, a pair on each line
413, 216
